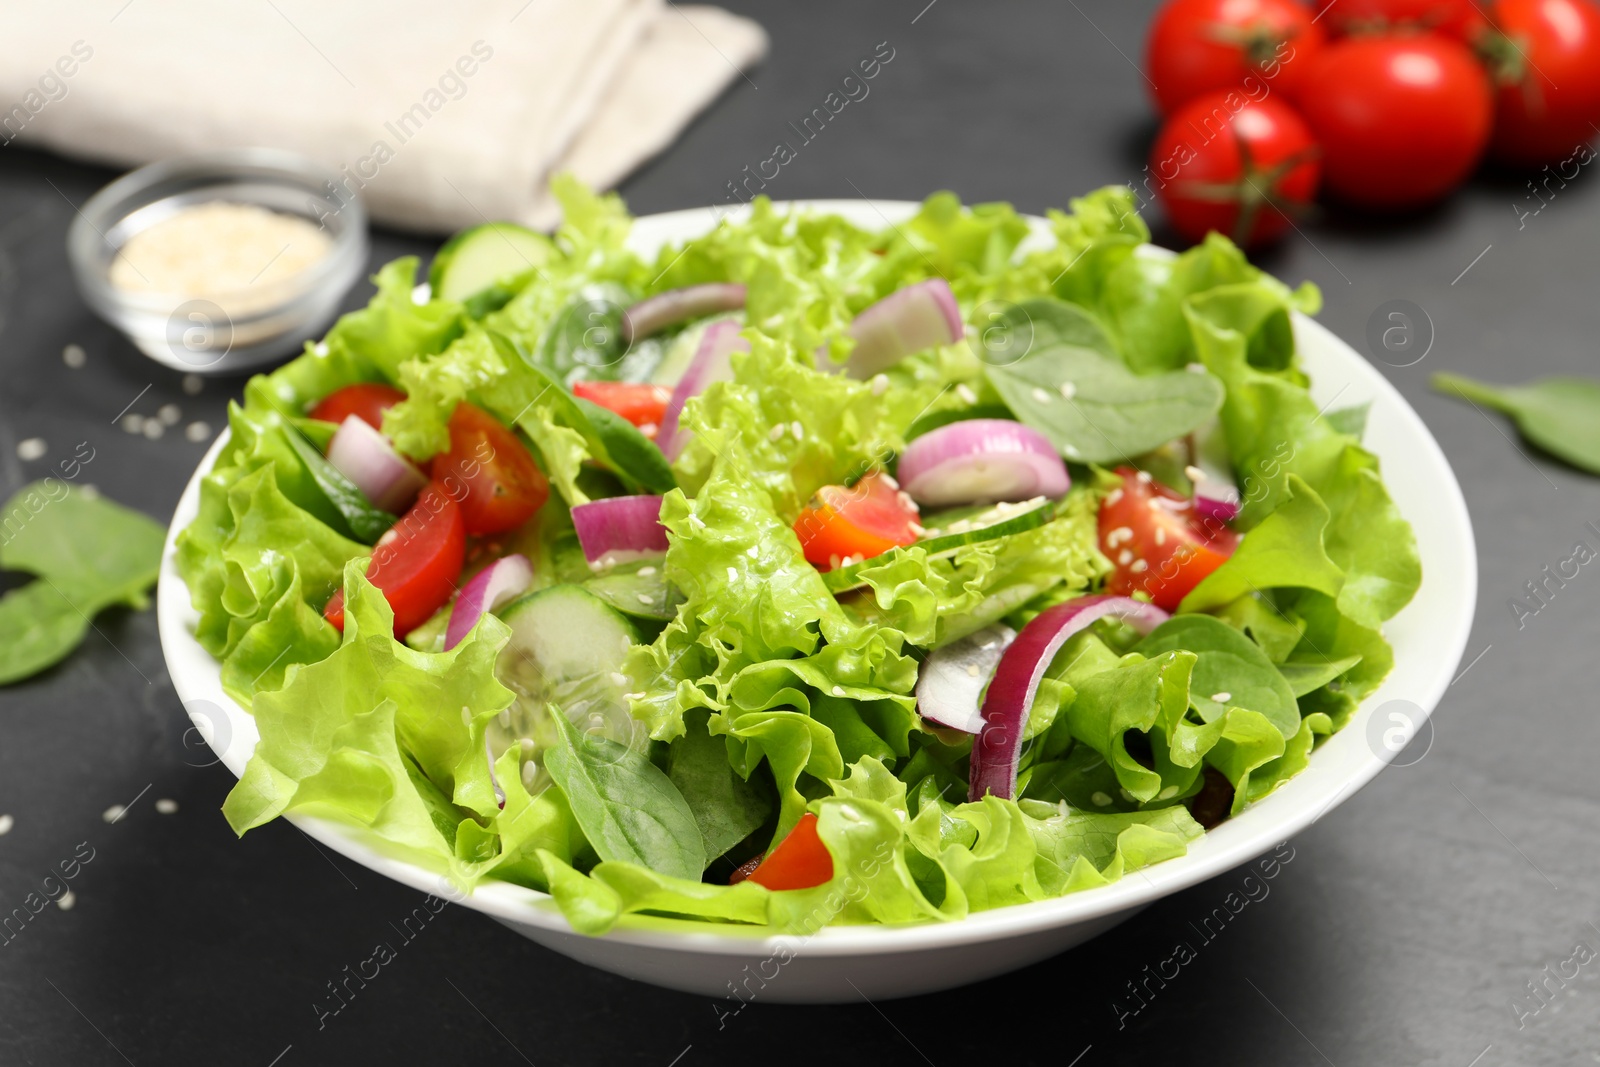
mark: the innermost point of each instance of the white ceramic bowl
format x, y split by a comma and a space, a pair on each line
844, 963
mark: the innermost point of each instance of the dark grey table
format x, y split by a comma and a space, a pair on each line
1406, 930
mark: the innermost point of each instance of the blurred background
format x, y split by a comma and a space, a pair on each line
1440, 169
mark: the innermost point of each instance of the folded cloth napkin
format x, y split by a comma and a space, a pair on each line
440, 115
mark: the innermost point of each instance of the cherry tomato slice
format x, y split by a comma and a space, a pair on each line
1155, 541
642, 405
864, 520
416, 563
801, 860
367, 401
490, 473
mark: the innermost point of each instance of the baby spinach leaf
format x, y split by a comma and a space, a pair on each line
1560, 415
626, 806
1231, 672
727, 808
88, 554
631, 453
1307, 676
1071, 386
362, 520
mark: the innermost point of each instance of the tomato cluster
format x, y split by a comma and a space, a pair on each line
1383, 104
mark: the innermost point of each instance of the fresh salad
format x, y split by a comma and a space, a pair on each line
801, 573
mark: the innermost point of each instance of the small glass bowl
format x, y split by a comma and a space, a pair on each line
194, 333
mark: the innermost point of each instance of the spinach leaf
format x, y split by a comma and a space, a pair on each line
1559, 415
1229, 663
1112, 414
631, 454
362, 520
626, 806
1307, 676
585, 340
88, 554
727, 808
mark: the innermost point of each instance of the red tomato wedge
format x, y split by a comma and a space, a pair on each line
856, 522
415, 565
643, 405
1156, 542
367, 401
801, 860
489, 472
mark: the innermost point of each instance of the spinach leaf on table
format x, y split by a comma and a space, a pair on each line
1112, 413
626, 806
87, 554
1560, 415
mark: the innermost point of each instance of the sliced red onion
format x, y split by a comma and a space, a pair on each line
1016, 683
908, 320
711, 363
952, 678
620, 528
982, 461
507, 577
1216, 495
656, 313
366, 457
1215, 499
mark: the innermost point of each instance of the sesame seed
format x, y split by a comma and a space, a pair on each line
649, 429
972, 670
905, 499
167, 806
776, 432
526, 745
169, 414
1194, 474
193, 383
31, 449
1126, 557
1119, 535
133, 423
1040, 395
838, 690
1101, 800
964, 391
1144, 477
918, 529
285, 391
880, 384
644, 599
798, 430
66, 900
1138, 566
1068, 390
319, 349
1222, 698
619, 678
74, 356
645, 572
1071, 452
888, 479
153, 428
1195, 368
113, 813
1161, 536
466, 715
1113, 497
529, 769
197, 431
6, 823
1168, 793
504, 718
833, 562
90, 491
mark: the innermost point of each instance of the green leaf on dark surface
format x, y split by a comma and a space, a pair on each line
1559, 415
86, 553
626, 806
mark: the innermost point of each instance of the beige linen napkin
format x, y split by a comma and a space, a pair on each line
439, 115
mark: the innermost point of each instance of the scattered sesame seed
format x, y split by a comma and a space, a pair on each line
645, 572
193, 383
169, 414
964, 391
285, 391
74, 356
529, 769
466, 715
771, 322
1138, 566
1127, 796
421, 294
1072, 452
133, 423
880, 384
90, 491
526, 745
153, 428
66, 900
619, 678
644, 598
1168, 793
1113, 497
6, 823
1195, 368
1126, 557
504, 718
320, 348
31, 449
1161, 536
1040, 395
167, 806
919, 530
197, 431
1119, 535
1068, 390
888, 479
838, 690
1194, 474
733, 574
905, 499
776, 432
1144, 477
649, 429
1101, 800
972, 670
1222, 698
798, 430
113, 813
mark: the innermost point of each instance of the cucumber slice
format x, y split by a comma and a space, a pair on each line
1001, 520
637, 588
475, 259
566, 649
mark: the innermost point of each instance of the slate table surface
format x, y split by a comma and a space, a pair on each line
1405, 929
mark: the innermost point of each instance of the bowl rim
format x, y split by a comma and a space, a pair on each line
1294, 806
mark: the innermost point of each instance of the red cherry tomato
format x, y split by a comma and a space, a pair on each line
1402, 119
1197, 46
642, 405
1454, 18
864, 520
1236, 167
1546, 55
416, 563
490, 472
367, 401
1156, 542
801, 860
